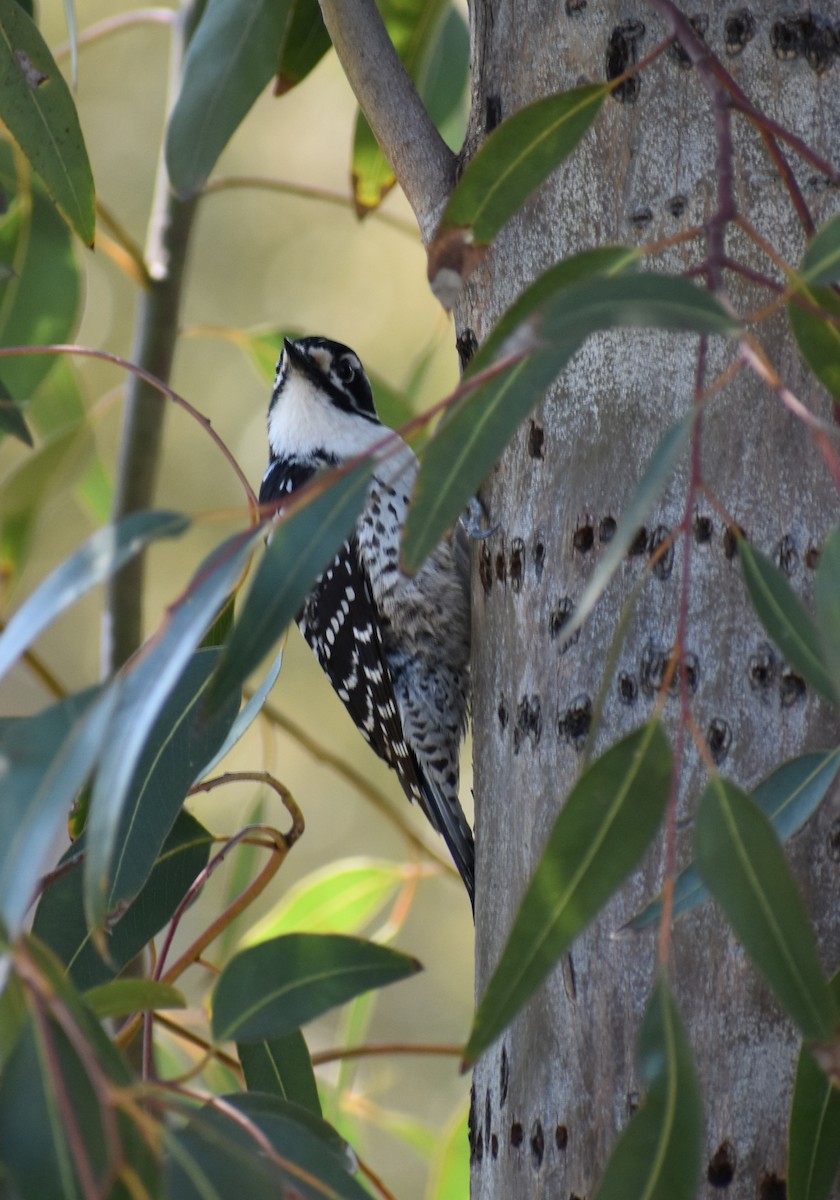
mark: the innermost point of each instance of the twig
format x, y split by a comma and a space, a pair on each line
153, 350
339, 1053
421, 160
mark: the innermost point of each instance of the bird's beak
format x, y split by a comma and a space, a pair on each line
294, 355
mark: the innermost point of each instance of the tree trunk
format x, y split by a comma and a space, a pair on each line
551, 1097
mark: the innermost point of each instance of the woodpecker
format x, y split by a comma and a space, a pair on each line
395, 647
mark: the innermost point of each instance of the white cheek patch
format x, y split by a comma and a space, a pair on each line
302, 421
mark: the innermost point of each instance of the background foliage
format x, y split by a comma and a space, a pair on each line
161, 1075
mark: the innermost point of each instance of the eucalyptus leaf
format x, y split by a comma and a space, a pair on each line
38, 108
827, 595
281, 1067
272, 988
785, 618
123, 997
95, 561
814, 1134
743, 866
304, 45
658, 1156
788, 797
818, 334
821, 260
148, 681
232, 56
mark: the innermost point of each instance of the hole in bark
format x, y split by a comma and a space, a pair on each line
528, 722
677, 205
559, 616
504, 1077
583, 538
730, 540
574, 6
471, 1123
485, 568
787, 556
718, 739
738, 30
503, 713
628, 688
516, 1135
721, 1169
688, 668
606, 530
539, 554
771, 1187
536, 437
501, 568
703, 529
664, 564
622, 51
537, 1144
576, 720
517, 556
803, 34
833, 840
699, 23
466, 344
494, 1146
640, 217
812, 557
492, 113
791, 688
488, 1116
479, 1147
639, 544
652, 667
561, 1137
762, 668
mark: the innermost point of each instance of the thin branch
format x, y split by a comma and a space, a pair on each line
154, 349
421, 160
338, 1053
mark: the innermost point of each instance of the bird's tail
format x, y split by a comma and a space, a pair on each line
448, 818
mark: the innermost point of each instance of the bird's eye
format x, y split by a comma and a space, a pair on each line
345, 370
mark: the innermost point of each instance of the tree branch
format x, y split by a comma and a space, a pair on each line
154, 348
422, 162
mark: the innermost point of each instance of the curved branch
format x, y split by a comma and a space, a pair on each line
422, 162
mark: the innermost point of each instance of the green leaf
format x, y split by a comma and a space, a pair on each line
270, 989
38, 108
12, 420
216, 1157
343, 897
302, 544
281, 1067
39, 303
821, 260
517, 157
123, 997
45, 760
94, 562
744, 867
602, 831
245, 717
785, 618
232, 56
814, 1136
443, 78
60, 917
818, 336
414, 27
475, 430
658, 1156
305, 44
47, 1083
788, 797
554, 318
827, 596
147, 682
180, 742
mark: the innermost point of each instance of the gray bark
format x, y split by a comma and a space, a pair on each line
551, 1097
